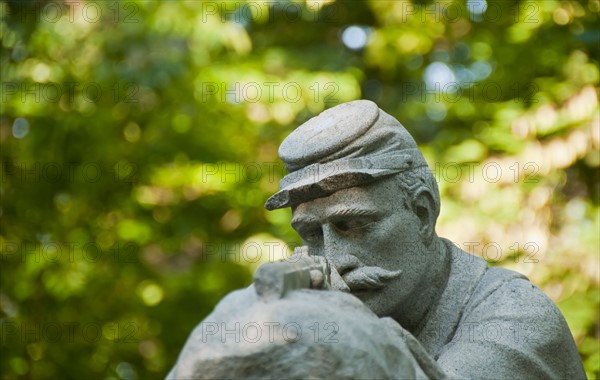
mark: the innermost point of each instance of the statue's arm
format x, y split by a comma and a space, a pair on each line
427, 365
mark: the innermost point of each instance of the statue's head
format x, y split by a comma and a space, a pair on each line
308, 334
363, 196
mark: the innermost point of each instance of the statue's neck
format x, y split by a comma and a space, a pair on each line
412, 314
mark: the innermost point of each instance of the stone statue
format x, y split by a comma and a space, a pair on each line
403, 302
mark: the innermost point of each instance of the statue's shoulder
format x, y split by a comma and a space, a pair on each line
510, 289
507, 328
502, 291
509, 313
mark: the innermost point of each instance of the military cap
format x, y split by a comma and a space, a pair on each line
349, 145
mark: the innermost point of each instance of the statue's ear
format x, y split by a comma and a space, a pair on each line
423, 207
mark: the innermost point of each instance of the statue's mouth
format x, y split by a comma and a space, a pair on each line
369, 278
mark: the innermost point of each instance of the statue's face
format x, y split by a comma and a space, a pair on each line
368, 234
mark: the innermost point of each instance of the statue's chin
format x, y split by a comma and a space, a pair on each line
378, 300
373, 299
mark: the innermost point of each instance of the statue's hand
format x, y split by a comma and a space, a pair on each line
301, 271
319, 281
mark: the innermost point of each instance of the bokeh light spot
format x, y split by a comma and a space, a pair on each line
355, 37
437, 75
476, 9
20, 128
150, 293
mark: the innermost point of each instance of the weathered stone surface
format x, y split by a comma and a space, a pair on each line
364, 200
306, 334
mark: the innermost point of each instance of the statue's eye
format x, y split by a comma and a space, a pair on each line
352, 224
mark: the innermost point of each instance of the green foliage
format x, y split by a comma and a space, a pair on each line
139, 143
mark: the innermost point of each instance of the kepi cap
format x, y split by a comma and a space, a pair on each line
349, 145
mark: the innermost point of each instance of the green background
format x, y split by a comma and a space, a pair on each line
139, 144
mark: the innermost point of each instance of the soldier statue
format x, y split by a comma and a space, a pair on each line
400, 301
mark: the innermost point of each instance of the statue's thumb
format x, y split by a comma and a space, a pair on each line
337, 282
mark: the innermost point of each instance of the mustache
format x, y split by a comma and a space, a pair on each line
369, 278
362, 277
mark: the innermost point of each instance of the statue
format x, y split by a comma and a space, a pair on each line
406, 303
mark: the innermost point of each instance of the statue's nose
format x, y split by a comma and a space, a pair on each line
338, 251
344, 263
